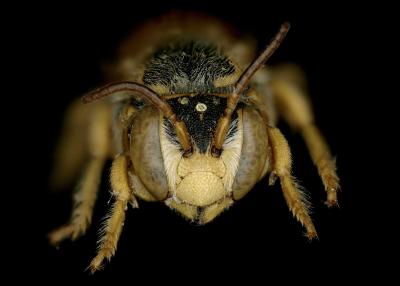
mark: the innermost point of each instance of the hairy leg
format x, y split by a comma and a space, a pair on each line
281, 167
115, 220
86, 192
288, 86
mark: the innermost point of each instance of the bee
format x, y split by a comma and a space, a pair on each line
189, 117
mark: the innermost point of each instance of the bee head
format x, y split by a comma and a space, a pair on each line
201, 133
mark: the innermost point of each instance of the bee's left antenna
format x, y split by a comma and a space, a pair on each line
240, 86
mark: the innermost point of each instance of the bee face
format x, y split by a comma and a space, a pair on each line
200, 183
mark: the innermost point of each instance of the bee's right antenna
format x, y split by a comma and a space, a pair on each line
180, 127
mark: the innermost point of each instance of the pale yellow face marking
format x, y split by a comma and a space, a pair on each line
200, 181
200, 189
201, 163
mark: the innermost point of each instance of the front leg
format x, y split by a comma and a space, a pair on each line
84, 200
282, 165
115, 221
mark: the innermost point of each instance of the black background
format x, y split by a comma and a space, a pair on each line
257, 237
